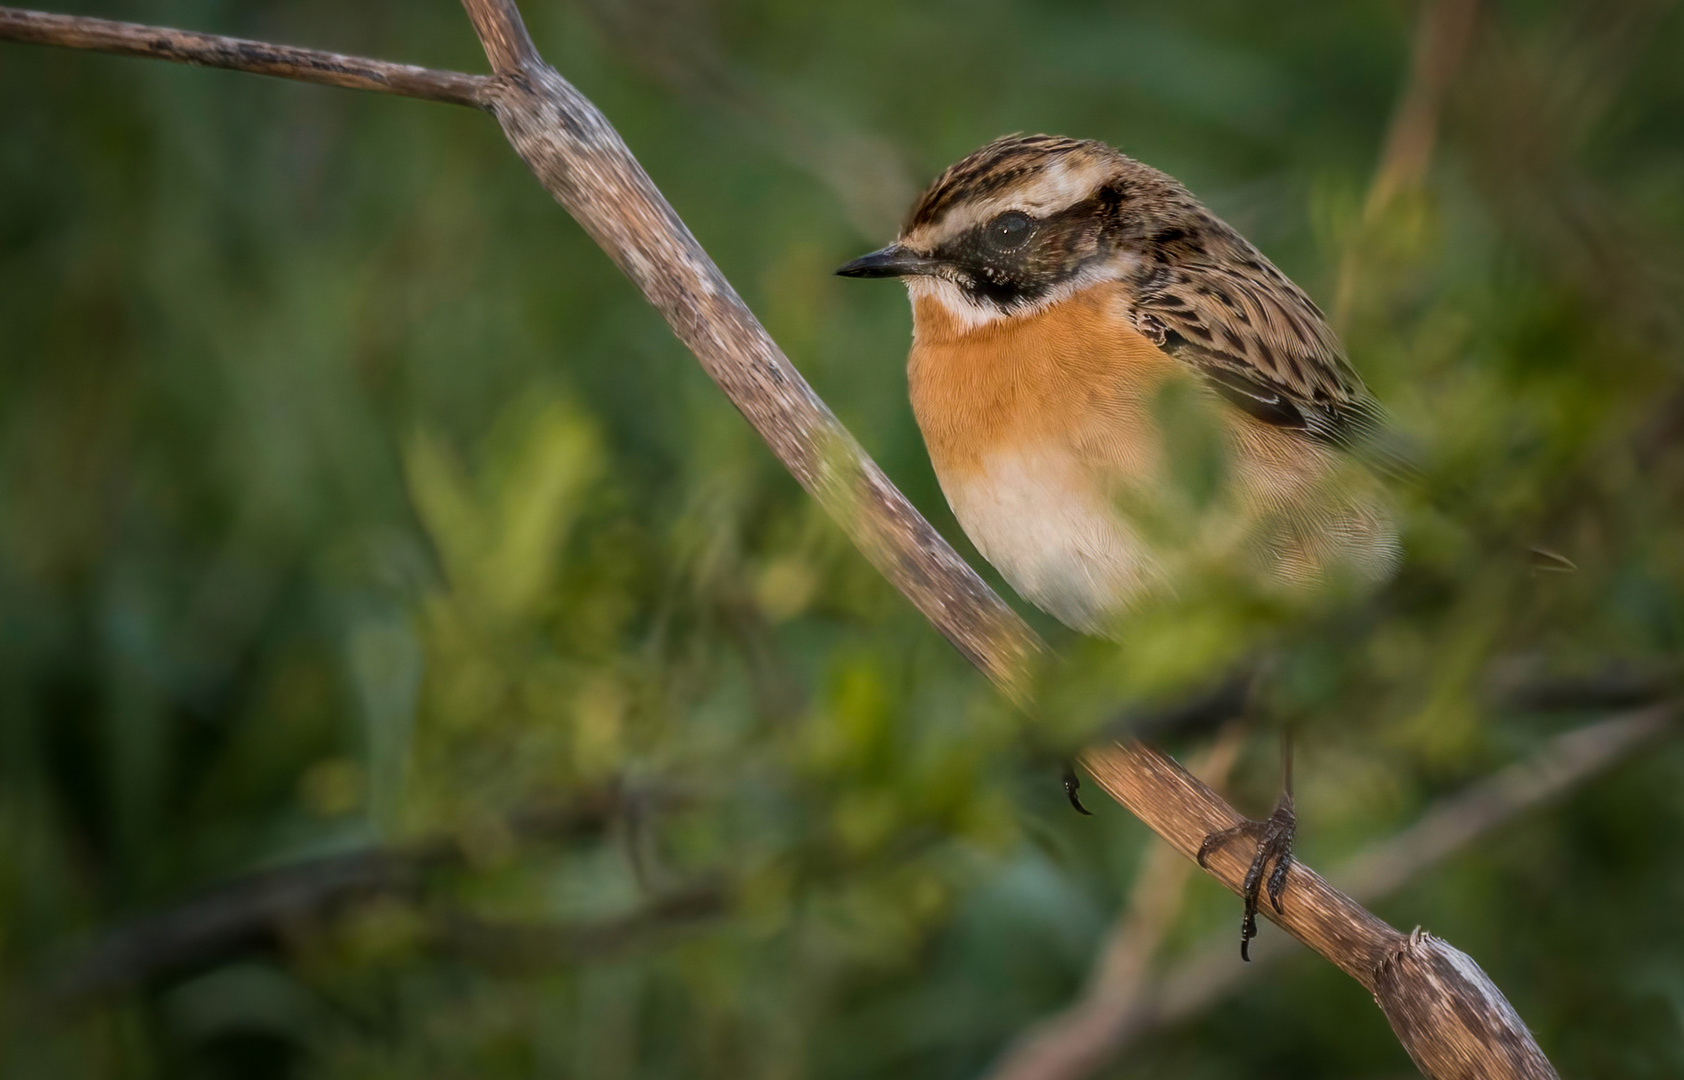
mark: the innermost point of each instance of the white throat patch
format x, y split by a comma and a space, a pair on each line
968, 313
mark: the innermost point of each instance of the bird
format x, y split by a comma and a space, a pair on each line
1061, 291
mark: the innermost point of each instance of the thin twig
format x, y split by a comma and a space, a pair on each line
238, 54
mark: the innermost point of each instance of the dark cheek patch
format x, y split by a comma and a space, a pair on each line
1009, 280
1004, 280
1005, 287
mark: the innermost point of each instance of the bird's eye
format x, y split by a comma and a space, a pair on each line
1009, 231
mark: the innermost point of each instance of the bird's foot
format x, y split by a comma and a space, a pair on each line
1273, 837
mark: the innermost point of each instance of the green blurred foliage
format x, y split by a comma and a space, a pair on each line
351, 502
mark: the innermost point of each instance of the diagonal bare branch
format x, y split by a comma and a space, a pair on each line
580, 159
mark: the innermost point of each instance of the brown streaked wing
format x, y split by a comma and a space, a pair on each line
1262, 345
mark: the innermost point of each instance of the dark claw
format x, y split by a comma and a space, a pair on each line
1073, 783
1273, 838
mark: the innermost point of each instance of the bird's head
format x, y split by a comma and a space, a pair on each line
1028, 220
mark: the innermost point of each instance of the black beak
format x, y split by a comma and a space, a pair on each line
892, 261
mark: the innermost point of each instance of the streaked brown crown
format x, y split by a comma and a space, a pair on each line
1007, 162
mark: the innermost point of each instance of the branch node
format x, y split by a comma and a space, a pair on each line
1450, 1017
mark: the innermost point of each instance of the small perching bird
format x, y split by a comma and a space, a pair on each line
1059, 290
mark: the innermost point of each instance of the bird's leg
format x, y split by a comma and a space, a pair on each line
1273, 837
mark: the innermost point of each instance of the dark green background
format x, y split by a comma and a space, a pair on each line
350, 499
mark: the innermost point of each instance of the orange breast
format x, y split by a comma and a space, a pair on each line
1041, 427
1033, 425
1076, 375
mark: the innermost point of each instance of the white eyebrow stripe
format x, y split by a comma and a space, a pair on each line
1059, 186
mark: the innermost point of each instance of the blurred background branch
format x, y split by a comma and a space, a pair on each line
257, 913
1443, 37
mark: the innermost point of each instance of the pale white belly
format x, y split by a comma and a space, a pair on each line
1055, 538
